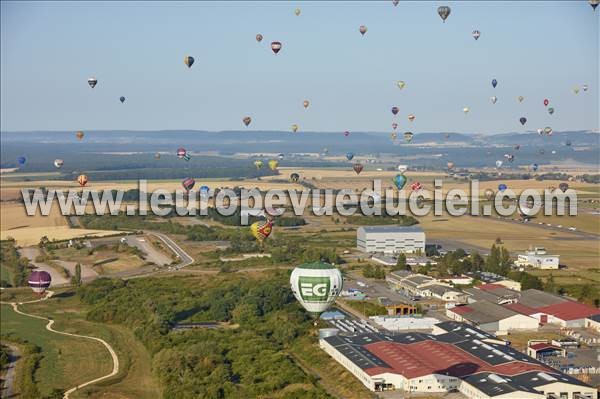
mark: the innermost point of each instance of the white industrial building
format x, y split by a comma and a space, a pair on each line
492, 318
390, 239
538, 258
456, 358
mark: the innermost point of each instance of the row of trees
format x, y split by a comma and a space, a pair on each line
16, 266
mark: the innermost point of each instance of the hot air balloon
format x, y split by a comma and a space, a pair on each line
476, 34
548, 130
399, 181
499, 164
346, 133
510, 157
358, 168
494, 99
516, 147
395, 110
349, 156
275, 46
157, 155
416, 186
594, 3
494, 83
182, 154
568, 143
280, 156
21, 160
297, 12
79, 135
402, 168
394, 126
584, 87
553, 151
502, 186
540, 131
444, 12
576, 89
408, 136
204, 189
325, 151
401, 84
188, 183
466, 110
247, 120
362, 29
58, 163
534, 167
258, 163
273, 164
546, 102
82, 180
523, 120
520, 98
563, 187
450, 165
122, 99
411, 117
188, 61
316, 286
295, 128
39, 281
294, 177
259, 37
394, 135
305, 103
395, 2
261, 230
489, 194
550, 110
92, 82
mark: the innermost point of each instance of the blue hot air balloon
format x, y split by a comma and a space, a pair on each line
399, 181
502, 186
21, 160
349, 156
494, 83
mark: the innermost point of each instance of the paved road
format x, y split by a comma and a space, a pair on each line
31, 253
8, 390
184, 258
152, 254
113, 354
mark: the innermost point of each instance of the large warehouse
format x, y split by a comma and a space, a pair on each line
492, 318
390, 239
550, 308
459, 357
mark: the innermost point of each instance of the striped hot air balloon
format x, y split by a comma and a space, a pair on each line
82, 180
188, 183
39, 281
182, 154
262, 229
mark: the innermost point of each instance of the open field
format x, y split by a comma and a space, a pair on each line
69, 360
28, 230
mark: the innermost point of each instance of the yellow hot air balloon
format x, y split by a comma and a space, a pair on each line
466, 110
258, 163
79, 135
261, 229
306, 103
295, 128
401, 84
273, 164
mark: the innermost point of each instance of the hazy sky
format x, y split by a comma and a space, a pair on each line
535, 49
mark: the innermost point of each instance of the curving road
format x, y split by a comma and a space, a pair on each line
184, 258
112, 352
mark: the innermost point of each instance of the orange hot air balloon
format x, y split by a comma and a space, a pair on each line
306, 103
82, 180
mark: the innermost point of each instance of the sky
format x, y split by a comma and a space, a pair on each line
534, 49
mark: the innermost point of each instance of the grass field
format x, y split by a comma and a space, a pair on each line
69, 361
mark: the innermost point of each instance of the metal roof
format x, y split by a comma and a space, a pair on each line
483, 312
537, 299
392, 229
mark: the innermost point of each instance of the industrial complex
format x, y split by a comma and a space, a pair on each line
455, 357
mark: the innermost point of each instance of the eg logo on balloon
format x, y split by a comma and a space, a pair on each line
314, 289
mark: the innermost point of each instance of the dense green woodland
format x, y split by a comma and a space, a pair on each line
15, 270
245, 359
